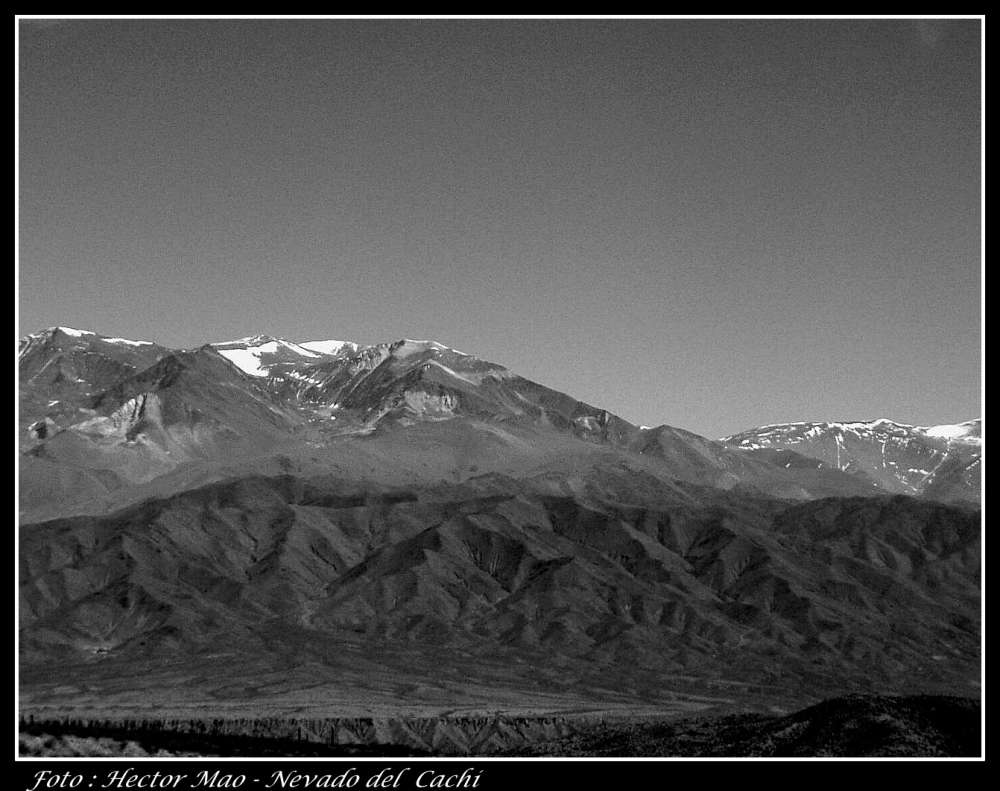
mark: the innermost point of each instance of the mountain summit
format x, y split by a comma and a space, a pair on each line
261, 354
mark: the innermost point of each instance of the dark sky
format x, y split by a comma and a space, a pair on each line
708, 223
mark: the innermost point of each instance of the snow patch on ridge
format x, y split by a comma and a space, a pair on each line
247, 360
407, 347
959, 433
948, 431
328, 347
250, 340
247, 353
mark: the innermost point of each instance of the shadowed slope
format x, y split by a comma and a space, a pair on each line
704, 583
856, 726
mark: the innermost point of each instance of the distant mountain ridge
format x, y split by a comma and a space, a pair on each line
942, 462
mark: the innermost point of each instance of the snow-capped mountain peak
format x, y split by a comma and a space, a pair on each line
71, 337
75, 333
899, 457
407, 346
257, 355
250, 340
70, 331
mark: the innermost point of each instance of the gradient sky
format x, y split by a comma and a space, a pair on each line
707, 223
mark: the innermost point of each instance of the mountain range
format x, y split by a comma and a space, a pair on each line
407, 525
937, 462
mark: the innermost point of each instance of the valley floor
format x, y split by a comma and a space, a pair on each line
851, 726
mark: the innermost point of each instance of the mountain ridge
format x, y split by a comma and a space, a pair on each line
334, 348
942, 461
133, 411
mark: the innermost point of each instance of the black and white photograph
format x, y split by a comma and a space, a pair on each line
407, 402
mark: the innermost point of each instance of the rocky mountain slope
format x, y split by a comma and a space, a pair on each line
876, 590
